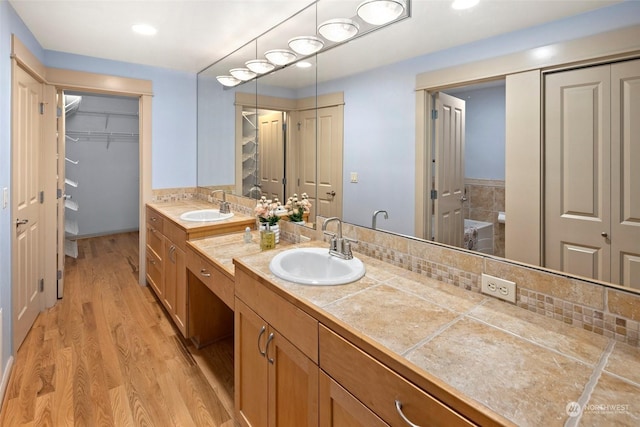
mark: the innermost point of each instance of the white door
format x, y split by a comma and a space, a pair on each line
449, 139
271, 153
577, 172
625, 173
320, 141
330, 141
27, 241
61, 173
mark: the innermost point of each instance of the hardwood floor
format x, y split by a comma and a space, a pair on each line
106, 354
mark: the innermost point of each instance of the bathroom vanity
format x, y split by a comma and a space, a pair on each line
166, 237
395, 346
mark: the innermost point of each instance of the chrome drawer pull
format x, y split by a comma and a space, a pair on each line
403, 416
266, 348
204, 273
262, 331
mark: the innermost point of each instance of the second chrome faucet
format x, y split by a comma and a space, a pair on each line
224, 205
338, 245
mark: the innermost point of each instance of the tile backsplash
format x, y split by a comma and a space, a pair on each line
603, 310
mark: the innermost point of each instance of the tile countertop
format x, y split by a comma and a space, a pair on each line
522, 366
173, 210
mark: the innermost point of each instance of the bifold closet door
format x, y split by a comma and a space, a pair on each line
592, 178
625, 173
577, 172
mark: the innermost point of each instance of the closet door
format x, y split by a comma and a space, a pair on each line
577, 172
625, 173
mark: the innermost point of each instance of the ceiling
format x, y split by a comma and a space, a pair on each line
195, 33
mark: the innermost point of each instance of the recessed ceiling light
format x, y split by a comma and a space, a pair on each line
464, 4
144, 29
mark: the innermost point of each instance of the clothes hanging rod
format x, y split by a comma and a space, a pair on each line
107, 113
99, 133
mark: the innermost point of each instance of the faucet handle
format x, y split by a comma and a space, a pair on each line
348, 239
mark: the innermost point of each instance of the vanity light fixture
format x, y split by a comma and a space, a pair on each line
280, 56
243, 74
306, 45
260, 66
304, 64
379, 12
464, 4
228, 81
338, 30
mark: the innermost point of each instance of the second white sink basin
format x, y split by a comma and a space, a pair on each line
203, 215
314, 266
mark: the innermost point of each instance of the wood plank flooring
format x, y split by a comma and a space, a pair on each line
106, 354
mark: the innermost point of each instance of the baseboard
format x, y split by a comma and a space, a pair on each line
5, 379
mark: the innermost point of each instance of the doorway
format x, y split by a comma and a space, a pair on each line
483, 171
102, 173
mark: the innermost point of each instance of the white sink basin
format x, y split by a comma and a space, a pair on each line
314, 266
203, 215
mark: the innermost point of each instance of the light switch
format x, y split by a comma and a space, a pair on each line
354, 177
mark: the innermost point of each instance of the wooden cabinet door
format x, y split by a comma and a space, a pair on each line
250, 367
293, 385
175, 291
338, 407
155, 255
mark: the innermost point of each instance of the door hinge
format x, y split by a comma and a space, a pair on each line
434, 194
59, 274
41, 285
59, 193
284, 127
41, 197
284, 181
42, 108
434, 114
58, 112
298, 182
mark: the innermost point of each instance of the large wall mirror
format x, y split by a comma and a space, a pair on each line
374, 109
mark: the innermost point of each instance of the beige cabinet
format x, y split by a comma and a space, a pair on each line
276, 372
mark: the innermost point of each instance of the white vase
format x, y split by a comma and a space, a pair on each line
274, 228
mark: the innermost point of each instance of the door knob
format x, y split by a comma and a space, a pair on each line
21, 222
331, 193
604, 234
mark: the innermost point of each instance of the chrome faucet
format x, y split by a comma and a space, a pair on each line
224, 205
374, 218
338, 246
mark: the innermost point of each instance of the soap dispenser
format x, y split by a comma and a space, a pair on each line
247, 235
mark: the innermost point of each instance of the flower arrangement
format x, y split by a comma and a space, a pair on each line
266, 210
297, 207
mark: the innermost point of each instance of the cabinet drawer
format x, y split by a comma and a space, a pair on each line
379, 388
293, 323
155, 220
175, 234
155, 241
208, 274
154, 272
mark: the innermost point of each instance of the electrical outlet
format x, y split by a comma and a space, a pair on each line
499, 288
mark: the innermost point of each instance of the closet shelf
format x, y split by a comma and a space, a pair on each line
70, 204
70, 182
73, 162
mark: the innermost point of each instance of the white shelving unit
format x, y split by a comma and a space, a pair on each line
249, 153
